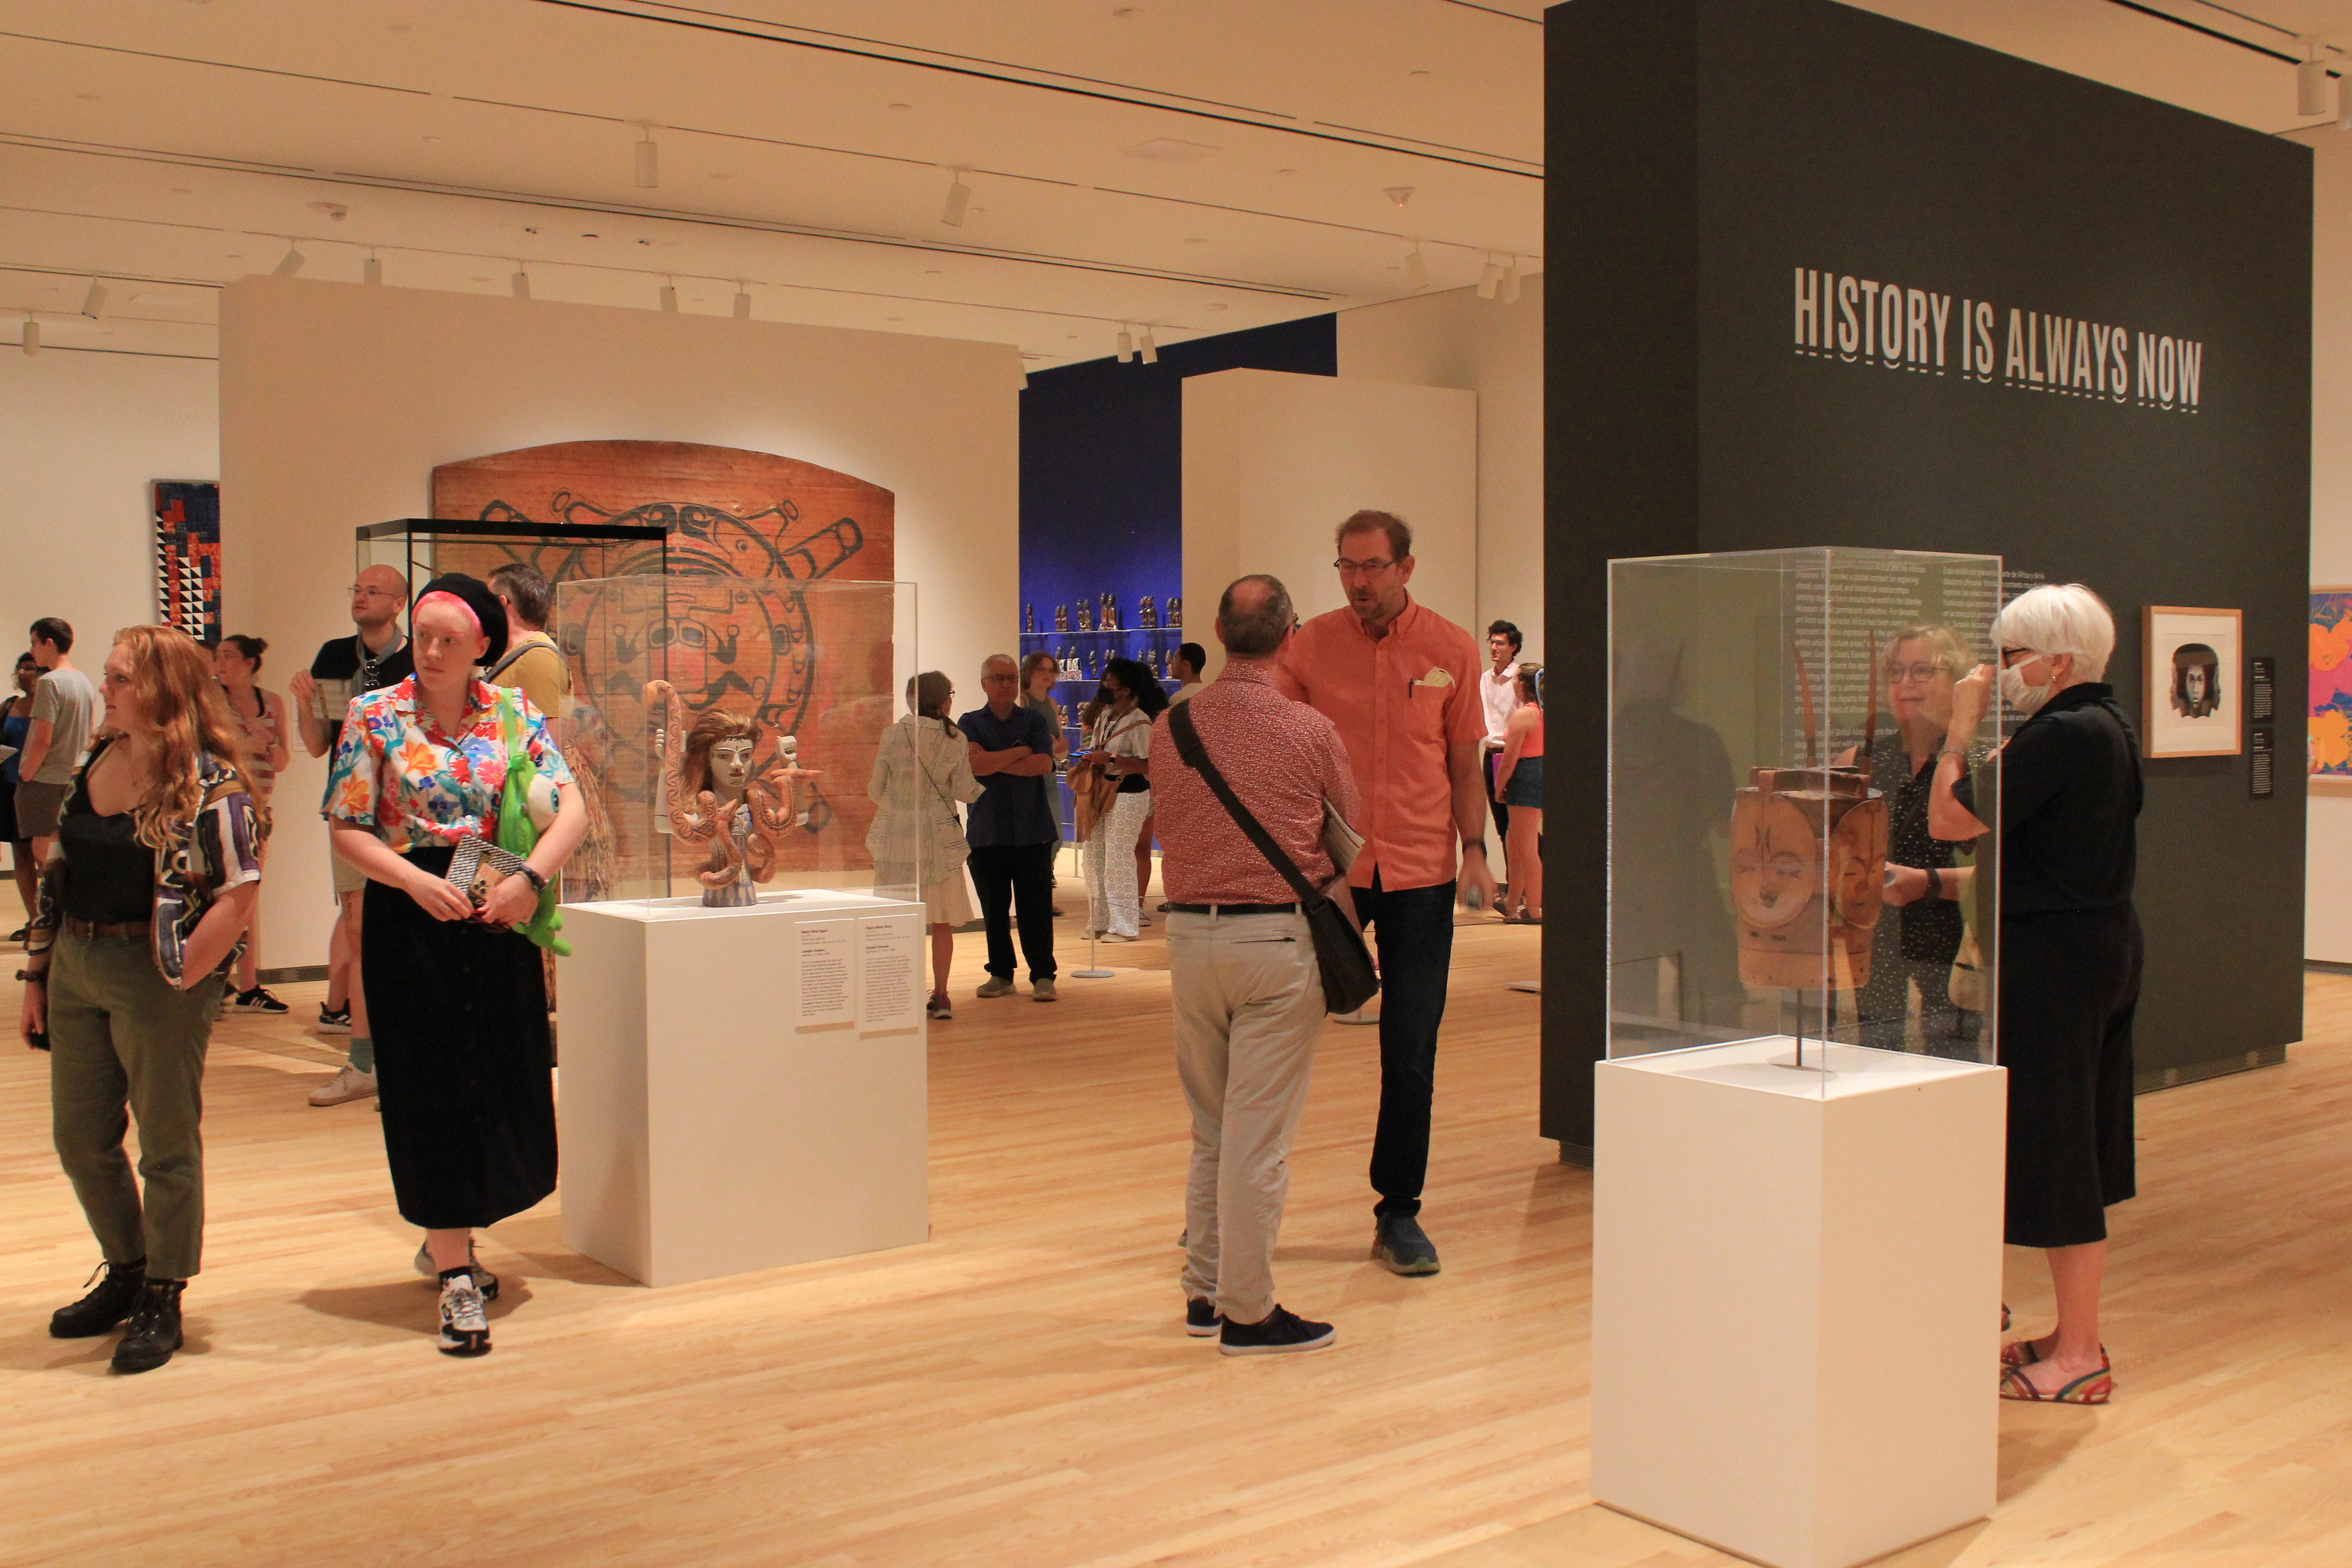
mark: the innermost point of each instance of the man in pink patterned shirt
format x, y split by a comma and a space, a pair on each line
1247, 995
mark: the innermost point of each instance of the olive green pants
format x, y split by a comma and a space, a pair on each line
122, 1044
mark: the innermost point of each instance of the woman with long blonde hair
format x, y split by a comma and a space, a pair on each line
142, 907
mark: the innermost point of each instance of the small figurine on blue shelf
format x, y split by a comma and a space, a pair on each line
1086, 617
1146, 617
1109, 612
1175, 612
1029, 620
1061, 618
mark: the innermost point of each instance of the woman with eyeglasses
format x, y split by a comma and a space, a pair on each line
1919, 933
2070, 956
1118, 755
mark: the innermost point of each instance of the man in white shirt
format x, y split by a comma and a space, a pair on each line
1498, 697
1184, 667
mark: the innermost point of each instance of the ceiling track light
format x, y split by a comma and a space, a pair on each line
291, 262
1151, 349
94, 305
743, 302
959, 198
1490, 276
1125, 343
32, 341
669, 298
648, 159
372, 271
2311, 80
1416, 270
519, 284
1509, 291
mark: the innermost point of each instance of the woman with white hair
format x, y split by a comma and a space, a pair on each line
2070, 956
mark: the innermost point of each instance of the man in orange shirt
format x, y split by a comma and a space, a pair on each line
1402, 684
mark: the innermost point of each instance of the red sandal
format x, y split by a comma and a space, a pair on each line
2091, 1388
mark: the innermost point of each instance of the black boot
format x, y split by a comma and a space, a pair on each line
103, 1308
154, 1332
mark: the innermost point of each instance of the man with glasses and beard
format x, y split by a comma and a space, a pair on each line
1401, 682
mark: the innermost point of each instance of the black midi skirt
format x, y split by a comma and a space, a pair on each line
2069, 987
463, 1060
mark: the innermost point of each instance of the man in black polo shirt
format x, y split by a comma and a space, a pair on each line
1012, 829
377, 657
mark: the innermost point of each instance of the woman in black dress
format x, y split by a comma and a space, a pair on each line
457, 995
2070, 957
1918, 935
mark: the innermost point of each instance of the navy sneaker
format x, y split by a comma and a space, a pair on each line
1282, 1334
1200, 1316
1402, 1247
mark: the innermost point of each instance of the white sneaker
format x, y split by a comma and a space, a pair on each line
465, 1327
484, 1281
347, 1085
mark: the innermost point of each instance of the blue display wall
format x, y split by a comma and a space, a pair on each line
1102, 504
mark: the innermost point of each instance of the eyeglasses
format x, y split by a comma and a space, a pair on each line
1919, 673
1362, 568
2010, 656
359, 591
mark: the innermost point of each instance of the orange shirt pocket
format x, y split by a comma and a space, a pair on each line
1425, 715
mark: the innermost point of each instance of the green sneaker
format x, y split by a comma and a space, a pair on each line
1402, 1247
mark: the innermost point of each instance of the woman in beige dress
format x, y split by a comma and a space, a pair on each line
922, 770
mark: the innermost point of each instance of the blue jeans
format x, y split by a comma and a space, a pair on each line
1413, 968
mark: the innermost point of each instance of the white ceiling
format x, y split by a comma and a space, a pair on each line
1198, 166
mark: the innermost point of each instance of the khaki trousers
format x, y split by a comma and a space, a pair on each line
125, 1044
1249, 1009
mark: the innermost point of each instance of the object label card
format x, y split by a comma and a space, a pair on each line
890, 992
828, 953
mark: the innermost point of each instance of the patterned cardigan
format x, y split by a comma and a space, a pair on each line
220, 850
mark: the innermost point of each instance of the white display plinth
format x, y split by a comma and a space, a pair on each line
709, 1126
1796, 1297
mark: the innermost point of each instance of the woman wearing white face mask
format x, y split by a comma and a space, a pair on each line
2070, 956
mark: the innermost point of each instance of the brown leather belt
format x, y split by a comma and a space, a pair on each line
1233, 909
122, 930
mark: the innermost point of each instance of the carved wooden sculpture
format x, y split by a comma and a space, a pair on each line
1809, 864
713, 797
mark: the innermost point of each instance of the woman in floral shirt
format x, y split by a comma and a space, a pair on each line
456, 996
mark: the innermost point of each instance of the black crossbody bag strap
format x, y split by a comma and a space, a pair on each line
1196, 757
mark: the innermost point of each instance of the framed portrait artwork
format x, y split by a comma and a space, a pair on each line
2195, 683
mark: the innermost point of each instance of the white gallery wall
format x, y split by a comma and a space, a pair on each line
2327, 852
82, 435
1456, 339
338, 400
1274, 460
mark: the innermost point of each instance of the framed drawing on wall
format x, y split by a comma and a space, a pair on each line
2195, 683
2327, 740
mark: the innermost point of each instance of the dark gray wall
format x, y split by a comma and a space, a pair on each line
1701, 151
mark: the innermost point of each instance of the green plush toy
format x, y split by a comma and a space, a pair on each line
518, 834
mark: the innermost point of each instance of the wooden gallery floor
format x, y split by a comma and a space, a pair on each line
1019, 1391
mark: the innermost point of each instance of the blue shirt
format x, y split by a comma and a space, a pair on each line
1013, 808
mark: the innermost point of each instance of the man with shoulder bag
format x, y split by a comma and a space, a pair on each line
1243, 820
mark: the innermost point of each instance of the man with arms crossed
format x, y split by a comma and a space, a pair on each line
1247, 995
1010, 829
1399, 683
346, 668
65, 707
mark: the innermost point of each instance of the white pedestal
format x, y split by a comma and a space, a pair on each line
1796, 1298
707, 1132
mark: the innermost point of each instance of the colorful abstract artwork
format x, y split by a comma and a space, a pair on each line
2329, 745
188, 557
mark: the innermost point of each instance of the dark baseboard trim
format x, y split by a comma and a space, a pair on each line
294, 976
2153, 1079
1576, 1154
2326, 966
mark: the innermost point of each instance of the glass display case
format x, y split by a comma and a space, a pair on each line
1780, 872
694, 671
422, 548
